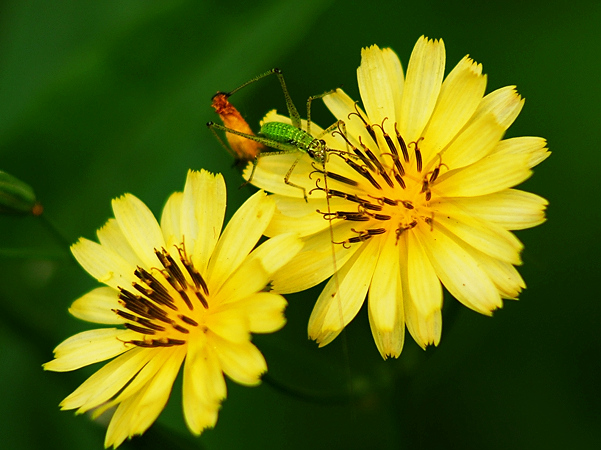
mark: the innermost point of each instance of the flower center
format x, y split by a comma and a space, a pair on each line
393, 191
161, 305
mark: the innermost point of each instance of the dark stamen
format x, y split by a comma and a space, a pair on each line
157, 292
353, 216
163, 342
367, 126
149, 324
430, 221
363, 158
402, 229
344, 195
361, 238
355, 149
395, 153
376, 231
126, 316
151, 281
389, 201
371, 206
188, 320
125, 295
186, 299
203, 300
379, 166
418, 155
400, 180
163, 299
434, 175
173, 269
341, 178
372, 180
143, 307
138, 329
402, 144
361, 170
194, 274
142, 289
364, 173
145, 344
179, 328
382, 217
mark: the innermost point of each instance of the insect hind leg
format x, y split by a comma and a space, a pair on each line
290, 183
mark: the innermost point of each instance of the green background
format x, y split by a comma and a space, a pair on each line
102, 98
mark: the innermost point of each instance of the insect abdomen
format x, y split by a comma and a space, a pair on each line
287, 134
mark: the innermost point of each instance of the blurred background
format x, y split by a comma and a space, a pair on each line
102, 98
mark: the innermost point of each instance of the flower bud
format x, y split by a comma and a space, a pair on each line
16, 197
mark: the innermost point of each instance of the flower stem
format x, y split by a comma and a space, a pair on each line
326, 398
57, 235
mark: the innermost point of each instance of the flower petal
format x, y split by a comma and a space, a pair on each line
89, 347
376, 88
230, 324
344, 294
97, 306
346, 109
171, 220
487, 237
240, 236
459, 272
107, 381
385, 302
264, 310
272, 168
318, 260
258, 268
422, 86
139, 226
425, 329
536, 147
461, 92
289, 212
242, 362
111, 237
512, 209
203, 210
203, 388
136, 413
424, 286
477, 140
394, 70
494, 173
103, 264
504, 276
505, 103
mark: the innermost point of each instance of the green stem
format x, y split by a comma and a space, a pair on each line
57, 235
325, 398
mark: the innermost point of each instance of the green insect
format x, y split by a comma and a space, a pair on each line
284, 138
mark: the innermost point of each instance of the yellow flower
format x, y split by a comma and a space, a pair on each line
419, 187
180, 291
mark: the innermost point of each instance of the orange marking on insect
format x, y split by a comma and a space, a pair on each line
243, 149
